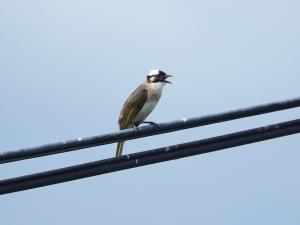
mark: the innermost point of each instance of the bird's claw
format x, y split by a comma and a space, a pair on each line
136, 129
153, 124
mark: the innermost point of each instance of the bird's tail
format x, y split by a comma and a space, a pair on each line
119, 148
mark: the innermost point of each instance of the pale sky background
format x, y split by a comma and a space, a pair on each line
66, 68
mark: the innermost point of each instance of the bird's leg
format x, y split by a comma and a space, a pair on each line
152, 123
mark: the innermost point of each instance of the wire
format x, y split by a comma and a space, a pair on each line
149, 157
144, 131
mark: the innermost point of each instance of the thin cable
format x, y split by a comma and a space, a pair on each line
149, 157
144, 131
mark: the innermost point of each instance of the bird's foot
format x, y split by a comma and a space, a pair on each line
152, 123
136, 129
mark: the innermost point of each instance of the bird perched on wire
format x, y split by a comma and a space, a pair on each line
141, 103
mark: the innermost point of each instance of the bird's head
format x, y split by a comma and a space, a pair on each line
158, 76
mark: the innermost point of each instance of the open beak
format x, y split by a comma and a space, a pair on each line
166, 81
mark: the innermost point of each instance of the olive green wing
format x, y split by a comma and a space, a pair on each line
132, 106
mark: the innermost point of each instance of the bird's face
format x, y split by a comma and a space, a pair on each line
158, 76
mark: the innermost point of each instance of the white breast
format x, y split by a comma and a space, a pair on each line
145, 111
154, 94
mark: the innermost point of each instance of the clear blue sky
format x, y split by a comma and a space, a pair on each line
66, 68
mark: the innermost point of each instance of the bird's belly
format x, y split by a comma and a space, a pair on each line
145, 111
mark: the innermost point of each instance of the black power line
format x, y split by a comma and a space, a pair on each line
149, 157
144, 131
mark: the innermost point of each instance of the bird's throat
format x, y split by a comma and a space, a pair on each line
155, 90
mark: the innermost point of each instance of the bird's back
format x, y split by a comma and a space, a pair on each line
133, 106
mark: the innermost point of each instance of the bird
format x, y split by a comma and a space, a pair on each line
141, 103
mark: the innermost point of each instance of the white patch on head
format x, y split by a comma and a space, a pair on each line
153, 72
